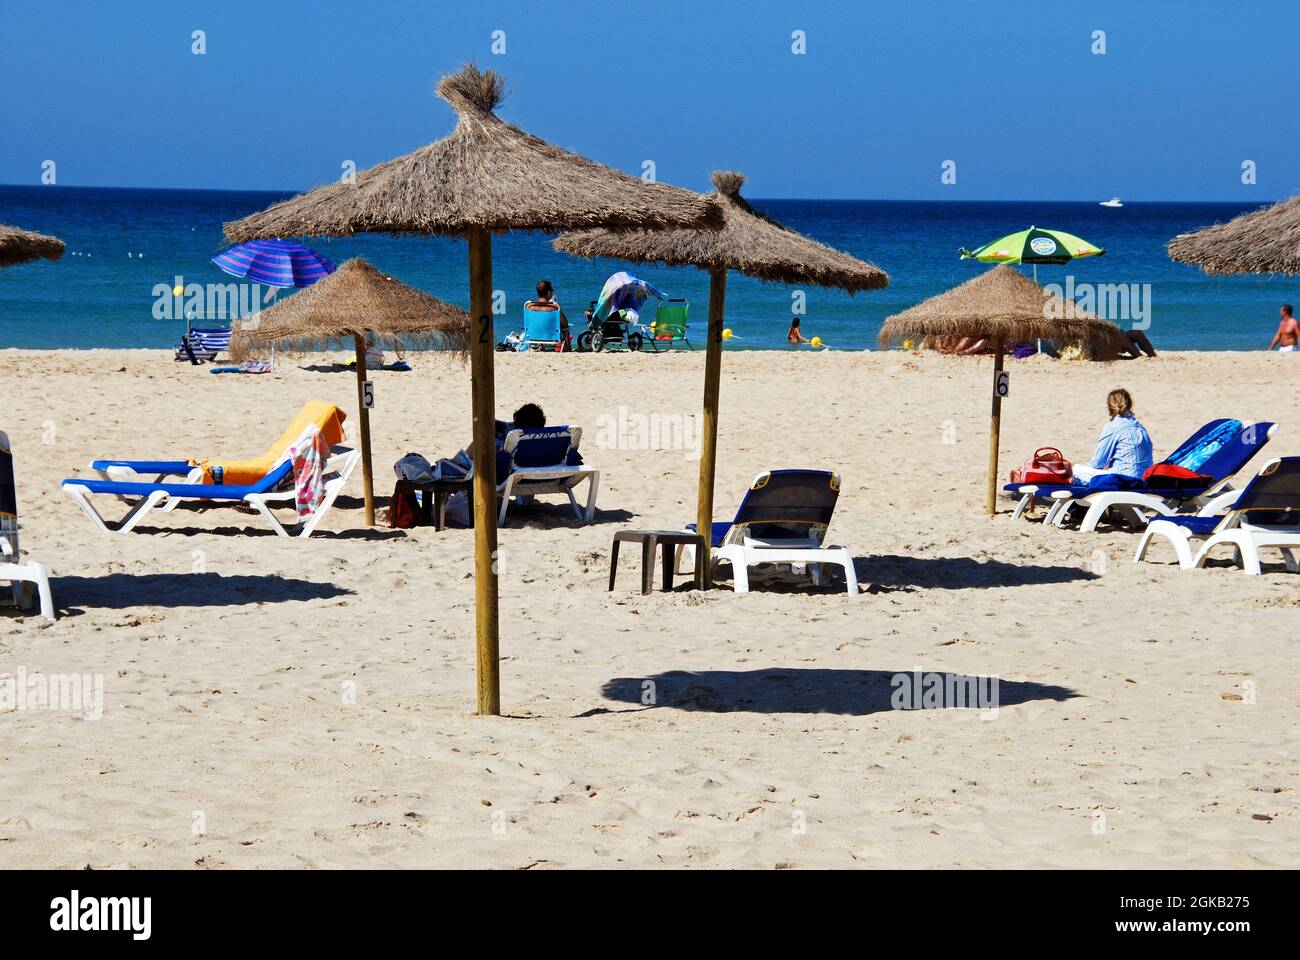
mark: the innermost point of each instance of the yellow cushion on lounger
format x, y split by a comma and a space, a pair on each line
327, 418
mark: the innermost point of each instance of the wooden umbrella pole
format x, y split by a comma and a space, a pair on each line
483, 404
995, 432
363, 417
709, 438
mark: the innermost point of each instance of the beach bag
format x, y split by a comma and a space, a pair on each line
403, 508
413, 467
1170, 476
1047, 465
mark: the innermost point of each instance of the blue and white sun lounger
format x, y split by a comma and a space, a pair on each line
546, 460
783, 518
165, 497
1265, 514
1139, 504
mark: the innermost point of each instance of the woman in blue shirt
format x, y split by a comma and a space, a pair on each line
1124, 446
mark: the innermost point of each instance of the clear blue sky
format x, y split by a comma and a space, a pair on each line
885, 93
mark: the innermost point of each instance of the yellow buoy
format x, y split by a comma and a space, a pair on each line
178, 290
727, 334
815, 342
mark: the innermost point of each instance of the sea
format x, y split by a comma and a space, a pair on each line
126, 246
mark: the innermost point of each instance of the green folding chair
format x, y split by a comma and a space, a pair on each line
669, 326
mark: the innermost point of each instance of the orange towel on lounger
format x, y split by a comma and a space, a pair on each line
326, 417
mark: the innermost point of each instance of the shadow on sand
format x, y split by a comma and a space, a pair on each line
959, 573
120, 591
820, 690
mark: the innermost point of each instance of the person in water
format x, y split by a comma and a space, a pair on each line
1287, 338
794, 334
1124, 446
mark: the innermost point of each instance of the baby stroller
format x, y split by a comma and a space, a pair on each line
615, 331
613, 320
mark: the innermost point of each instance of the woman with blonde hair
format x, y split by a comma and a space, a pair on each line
1124, 446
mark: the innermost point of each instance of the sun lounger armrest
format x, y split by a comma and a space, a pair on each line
1219, 503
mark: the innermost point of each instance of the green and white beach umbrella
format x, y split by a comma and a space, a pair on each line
1033, 246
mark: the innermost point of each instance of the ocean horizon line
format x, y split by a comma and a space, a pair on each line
269, 191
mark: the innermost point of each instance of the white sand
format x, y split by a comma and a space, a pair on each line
224, 691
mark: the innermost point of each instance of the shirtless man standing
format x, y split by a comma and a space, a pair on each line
1287, 338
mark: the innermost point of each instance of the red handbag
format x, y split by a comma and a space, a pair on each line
1047, 465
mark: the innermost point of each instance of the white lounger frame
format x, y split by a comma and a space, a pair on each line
743, 551
25, 576
553, 479
1246, 539
746, 552
341, 463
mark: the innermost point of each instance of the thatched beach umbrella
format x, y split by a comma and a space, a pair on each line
353, 302
1263, 241
20, 246
749, 242
485, 176
1004, 307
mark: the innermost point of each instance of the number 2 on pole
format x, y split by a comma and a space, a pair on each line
484, 326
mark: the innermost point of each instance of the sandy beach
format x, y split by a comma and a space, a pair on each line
285, 703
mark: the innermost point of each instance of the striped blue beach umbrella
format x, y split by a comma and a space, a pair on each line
276, 263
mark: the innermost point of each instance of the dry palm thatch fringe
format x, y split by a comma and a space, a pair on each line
19, 246
749, 242
354, 299
486, 173
1262, 241
1004, 304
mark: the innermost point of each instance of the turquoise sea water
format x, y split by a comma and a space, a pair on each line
123, 243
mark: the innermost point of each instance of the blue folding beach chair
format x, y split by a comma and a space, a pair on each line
783, 518
1238, 443
545, 460
542, 327
1265, 514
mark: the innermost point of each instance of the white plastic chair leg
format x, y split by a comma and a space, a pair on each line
41, 578
1245, 553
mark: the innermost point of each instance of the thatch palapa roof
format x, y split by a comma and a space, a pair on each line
1263, 241
749, 242
354, 299
486, 173
20, 246
1002, 303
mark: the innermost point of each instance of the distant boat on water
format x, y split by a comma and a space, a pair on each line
1112, 202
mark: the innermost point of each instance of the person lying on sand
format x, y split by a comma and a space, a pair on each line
1287, 338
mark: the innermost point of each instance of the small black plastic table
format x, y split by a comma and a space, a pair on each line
440, 490
649, 540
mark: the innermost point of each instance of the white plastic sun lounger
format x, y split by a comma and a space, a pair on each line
783, 518
267, 492
1266, 514
25, 576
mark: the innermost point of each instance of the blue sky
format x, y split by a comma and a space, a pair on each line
886, 92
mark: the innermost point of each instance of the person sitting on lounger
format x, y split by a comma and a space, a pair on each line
1287, 338
1124, 446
